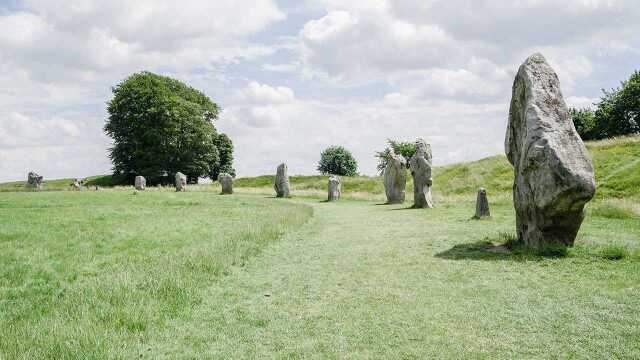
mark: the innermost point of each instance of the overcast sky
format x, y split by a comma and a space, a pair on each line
294, 77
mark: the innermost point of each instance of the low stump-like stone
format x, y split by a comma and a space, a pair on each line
335, 189
140, 183
226, 182
482, 205
395, 178
420, 164
76, 185
554, 176
181, 182
281, 184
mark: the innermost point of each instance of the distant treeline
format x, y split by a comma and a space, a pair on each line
617, 113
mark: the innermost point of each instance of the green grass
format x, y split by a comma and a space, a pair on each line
158, 274
93, 274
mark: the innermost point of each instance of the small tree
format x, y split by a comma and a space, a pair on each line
406, 149
337, 160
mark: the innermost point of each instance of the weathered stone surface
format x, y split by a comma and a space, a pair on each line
553, 172
335, 189
140, 183
181, 182
420, 165
281, 184
226, 181
34, 181
395, 178
76, 185
482, 205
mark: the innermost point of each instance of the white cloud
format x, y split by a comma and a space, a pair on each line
297, 78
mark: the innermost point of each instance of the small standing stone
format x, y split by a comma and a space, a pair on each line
76, 185
181, 182
141, 183
420, 164
34, 181
482, 205
226, 181
335, 189
395, 178
281, 184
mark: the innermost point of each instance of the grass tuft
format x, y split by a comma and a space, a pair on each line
614, 252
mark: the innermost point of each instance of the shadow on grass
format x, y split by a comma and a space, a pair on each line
481, 250
509, 249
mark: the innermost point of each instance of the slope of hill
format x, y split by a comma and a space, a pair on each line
616, 161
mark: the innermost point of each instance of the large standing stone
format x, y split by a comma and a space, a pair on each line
140, 183
34, 181
226, 182
395, 178
553, 173
482, 205
420, 164
335, 189
181, 182
281, 184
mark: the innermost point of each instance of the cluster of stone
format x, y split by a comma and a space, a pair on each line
395, 178
226, 182
181, 182
34, 181
281, 184
140, 183
420, 164
335, 189
76, 184
554, 176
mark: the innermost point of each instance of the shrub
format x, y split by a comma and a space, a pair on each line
337, 160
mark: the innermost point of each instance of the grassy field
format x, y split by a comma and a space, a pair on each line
92, 274
158, 274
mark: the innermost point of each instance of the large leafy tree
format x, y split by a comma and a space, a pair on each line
337, 160
405, 148
160, 126
584, 121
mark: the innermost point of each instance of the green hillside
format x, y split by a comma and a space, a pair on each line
616, 161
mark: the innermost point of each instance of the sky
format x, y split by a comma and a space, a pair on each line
294, 77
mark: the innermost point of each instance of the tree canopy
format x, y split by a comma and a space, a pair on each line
337, 160
160, 126
405, 148
617, 113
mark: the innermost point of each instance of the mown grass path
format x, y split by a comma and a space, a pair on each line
369, 281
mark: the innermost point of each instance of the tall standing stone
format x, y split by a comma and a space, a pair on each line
226, 182
335, 189
395, 178
482, 205
140, 183
553, 172
281, 184
181, 182
420, 164
34, 181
